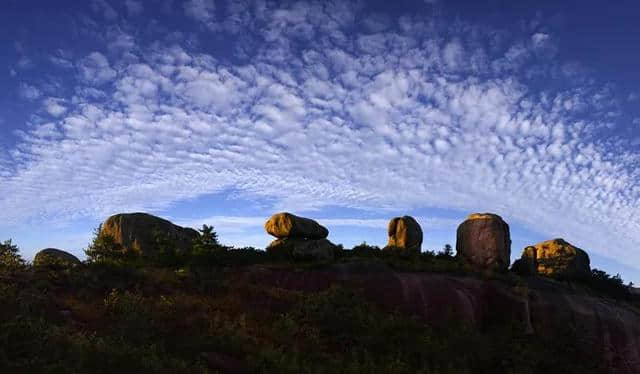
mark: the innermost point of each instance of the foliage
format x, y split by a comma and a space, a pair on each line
609, 285
104, 247
10, 255
365, 250
107, 316
447, 251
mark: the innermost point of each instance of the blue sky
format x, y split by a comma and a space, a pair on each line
224, 112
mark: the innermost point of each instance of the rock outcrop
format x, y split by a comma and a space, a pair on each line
139, 232
55, 257
555, 258
483, 241
299, 237
405, 234
287, 225
608, 330
304, 249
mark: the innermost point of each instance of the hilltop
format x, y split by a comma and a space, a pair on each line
175, 300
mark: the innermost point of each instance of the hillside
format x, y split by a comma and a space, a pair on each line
157, 298
251, 313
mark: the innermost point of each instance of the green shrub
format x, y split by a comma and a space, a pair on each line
10, 255
104, 247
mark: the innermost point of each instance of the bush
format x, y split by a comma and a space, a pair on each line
365, 250
10, 255
609, 285
104, 247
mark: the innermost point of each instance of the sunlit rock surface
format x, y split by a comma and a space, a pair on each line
139, 232
556, 258
405, 234
287, 225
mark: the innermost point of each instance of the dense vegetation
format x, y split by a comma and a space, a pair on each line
195, 312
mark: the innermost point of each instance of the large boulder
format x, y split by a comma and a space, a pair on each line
556, 258
55, 257
303, 249
483, 241
287, 225
139, 232
405, 234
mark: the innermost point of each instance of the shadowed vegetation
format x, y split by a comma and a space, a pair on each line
196, 312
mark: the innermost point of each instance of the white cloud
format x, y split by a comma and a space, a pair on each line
383, 122
201, 10
54, 107
539, 38
95, 69
28, 91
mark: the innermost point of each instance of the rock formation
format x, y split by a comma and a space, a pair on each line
483, 241
298, 237
555, 258
609, 330
404, 234
287, 225
55, 257
309, 249
138, 232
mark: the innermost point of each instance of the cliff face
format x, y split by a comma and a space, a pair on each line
607, 328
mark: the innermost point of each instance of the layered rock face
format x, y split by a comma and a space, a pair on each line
484, 242
556, 258
405, 234
55, 257
138, 232
299, 237
608, 330
287, 225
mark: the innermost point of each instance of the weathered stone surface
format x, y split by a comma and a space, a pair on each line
483, 241
304, 249
287, 225
558, 258
524, 266
609, 330
405, 233
138, 232
55, 257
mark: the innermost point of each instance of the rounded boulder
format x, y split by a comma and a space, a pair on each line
287, 225
404, 233
139, 232
484, 242
558, 258
55, 257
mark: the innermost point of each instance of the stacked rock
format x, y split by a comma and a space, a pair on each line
299, 237
405, 234
555, 258
483, 241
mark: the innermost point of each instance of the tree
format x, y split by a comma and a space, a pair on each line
10, 254
447, 251
206, 247
207, 242
103, 247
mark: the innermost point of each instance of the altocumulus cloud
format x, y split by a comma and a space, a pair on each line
406, 113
